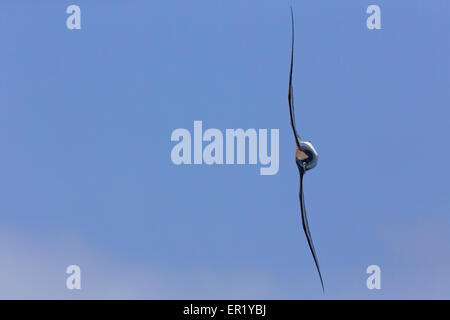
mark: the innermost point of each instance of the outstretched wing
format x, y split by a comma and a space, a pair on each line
290, 93
306, 227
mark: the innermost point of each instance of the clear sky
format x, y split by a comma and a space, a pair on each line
86, 176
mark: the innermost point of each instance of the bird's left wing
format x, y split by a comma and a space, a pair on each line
306, 226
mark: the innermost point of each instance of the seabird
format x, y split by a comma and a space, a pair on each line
305, 157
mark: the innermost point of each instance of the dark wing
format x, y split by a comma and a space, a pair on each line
306, 226
290, 93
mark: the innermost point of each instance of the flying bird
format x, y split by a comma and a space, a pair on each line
305, 157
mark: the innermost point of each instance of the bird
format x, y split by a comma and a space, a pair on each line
306, 158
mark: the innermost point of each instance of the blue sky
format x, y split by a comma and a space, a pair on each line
86, 176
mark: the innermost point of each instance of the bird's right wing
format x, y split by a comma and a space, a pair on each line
290, 93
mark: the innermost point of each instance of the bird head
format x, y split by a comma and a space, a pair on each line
306, 157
